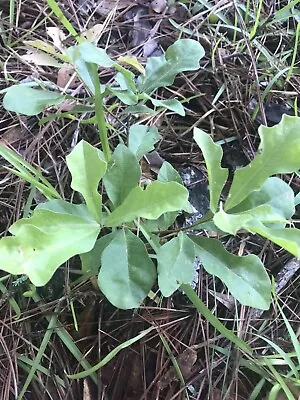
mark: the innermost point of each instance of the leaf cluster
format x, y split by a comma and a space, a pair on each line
122, 259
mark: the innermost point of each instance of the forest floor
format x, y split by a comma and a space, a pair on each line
250, 75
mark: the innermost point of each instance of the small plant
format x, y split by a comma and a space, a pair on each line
57, 230
126, 273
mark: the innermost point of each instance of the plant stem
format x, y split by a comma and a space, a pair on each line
100, 117
205, 311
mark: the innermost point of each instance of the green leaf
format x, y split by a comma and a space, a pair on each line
44, 242
126, 96
125, 79
272, 204
141, 139
274, 192
27, 172
285, 12
123, 175
133, 62
63, 207
87, 167
85, 54
139, 109
169, 104
245, 277
183, 55
278, 153
127, 273
90, 53
91, 260
175, 264
162, 223
288, 238
168, 173
111, 355
28, 101
150, 203
231, 223
127, 90
217, 175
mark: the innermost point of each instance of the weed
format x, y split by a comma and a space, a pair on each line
57, 230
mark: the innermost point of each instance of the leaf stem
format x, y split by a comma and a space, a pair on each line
204, 310
100, 117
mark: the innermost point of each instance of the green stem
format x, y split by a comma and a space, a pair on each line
205, 311
295, 52
100, 117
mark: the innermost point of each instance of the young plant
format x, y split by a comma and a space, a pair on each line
31, 98
257, 202
117, 241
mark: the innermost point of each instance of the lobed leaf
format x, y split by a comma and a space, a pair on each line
175, 264
272, 204
217, 175
85, 54
23, 99
87, 167
278, 153
44, 242
150, 203
275, 193
127, 274
90, 53
141, 139
63, 207
245, 277
167, 173
126, 96
288, 238
123, 175
125, 79
183, 55
162, 223
169, 104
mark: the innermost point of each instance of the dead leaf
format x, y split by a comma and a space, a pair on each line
159, 6
57, 37
185, 361
67, 105
154, 161
141, 25
64, 78
106, 6
226, 299
133, 62
43, 46
93, 34
142, 31
15, 133
39, 58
